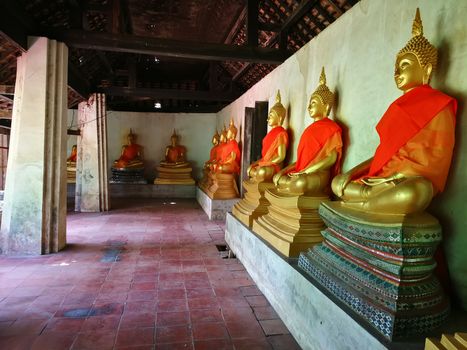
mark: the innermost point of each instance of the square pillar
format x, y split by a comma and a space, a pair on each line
92, 189
34, 212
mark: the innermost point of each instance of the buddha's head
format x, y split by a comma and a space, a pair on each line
277, 113
215, 139
417, 60
74, 149
174, 138
231, 131
223, 137
322, 100
131, 137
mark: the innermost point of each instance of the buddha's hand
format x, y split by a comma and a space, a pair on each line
249, 169
294, 174
374, 181
340, 182
275, 178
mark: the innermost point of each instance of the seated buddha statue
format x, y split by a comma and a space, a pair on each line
260, 172
71, 165
174, 169
212, 159
222, 177
292, 223
416, 133
274, 145
319, 149
132, 154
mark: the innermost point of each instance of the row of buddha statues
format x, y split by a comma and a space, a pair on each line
372, 248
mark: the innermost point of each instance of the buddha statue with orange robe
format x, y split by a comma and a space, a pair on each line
416, 133
378, 251
260, 172
132, 154
292, 223
71, 165
212, 159
174, 169
224, 171
274, 148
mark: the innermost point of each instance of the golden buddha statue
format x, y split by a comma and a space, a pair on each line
174, 169
379, 245
71, 165
132, 154
274, 145
260, 172
411, 163
222, 178
203, 183
292, 223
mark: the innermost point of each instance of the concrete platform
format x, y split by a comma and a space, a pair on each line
216, 209
151, 191
312, 317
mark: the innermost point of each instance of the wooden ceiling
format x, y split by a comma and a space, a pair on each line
187, 55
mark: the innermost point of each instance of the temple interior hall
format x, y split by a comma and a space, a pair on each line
233, 174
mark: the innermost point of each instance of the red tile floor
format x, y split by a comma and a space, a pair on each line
146, 275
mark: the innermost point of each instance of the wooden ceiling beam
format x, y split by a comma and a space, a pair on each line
5, 114
302, 9
170, 48
236, 27
7, 89
175, 94
252, 22
336, 8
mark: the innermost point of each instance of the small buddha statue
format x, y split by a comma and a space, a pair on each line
71, 165
412, 161
222, 177
229, 159
174, 169
203, 183
274, 147
174, 153
132, 154
319, 149
260, 172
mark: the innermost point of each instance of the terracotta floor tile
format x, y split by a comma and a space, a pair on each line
172, 293
283, 342
54, 341
217, 344
244, 330
257, 300
176, 346
204, 331
265, 313
200, 293
65, 325
101, 322
103, 339
252, 344
172, 305
274, 327
173, 334
172, 318
203, 303
135, 336
206, 315
137, 320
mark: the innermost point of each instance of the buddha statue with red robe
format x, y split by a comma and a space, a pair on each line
260, 172
292, 223
174, 169
412, 161
319, 150
132, 154
212, 159
224, 171
274, 148
71, 165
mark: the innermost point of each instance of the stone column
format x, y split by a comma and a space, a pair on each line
34, 213
92, 192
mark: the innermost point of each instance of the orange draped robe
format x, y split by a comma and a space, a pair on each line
174, 154
318, 141
129, 153
417, 137
225, 152
213, 152
276, 137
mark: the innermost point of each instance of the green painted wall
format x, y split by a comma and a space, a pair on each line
358, 52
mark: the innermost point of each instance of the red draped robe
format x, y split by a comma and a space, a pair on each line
130, 152
276, 137
225, 152
318, 141
417, 136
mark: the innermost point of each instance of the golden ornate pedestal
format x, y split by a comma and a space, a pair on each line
254, 204
292, 223
71, 173
222, 186
174, 175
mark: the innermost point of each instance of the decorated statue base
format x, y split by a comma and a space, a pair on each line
381, 267
71, 173
174, 175
127, 176
254, 204
223, 186
204, 182
292, 223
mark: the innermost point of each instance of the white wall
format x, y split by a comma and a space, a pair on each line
358, 52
